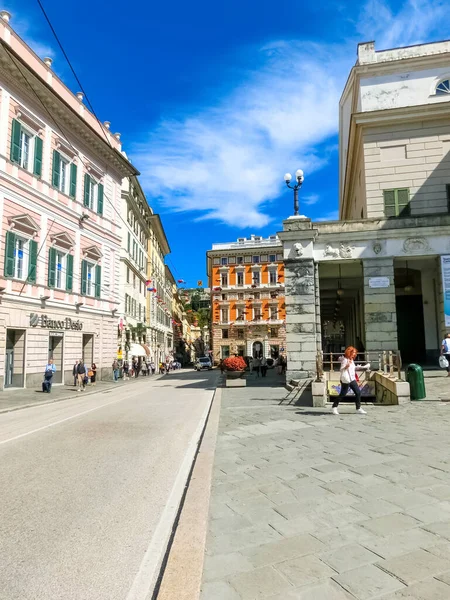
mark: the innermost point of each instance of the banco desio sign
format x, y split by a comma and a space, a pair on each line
47, 323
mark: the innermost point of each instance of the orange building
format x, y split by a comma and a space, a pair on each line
246, 279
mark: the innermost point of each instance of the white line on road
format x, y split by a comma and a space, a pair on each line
59, 422
146, 576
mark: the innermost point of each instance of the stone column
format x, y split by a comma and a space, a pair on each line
380, 313
300, 301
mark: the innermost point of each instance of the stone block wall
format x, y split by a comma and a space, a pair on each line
301, 339
379, 306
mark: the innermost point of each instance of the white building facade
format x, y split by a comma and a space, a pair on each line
60, 188
377, 278
133, 317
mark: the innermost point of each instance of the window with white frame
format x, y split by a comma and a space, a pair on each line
25, 148
61, 268
256, 278
443, 87
257, 314
240, 260
240, 314
272, 257
224, 315
224, 280
64, 175
224, 260
90, 278
20, 257
274, 312
239, 278
89, 193
272, 276
255, 259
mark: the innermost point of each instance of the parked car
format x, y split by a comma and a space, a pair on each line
203, 363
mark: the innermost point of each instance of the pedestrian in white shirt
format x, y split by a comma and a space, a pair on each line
445, 350
348, 380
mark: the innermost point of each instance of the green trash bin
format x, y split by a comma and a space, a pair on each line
414, 376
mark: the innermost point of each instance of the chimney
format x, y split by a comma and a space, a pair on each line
5, 15
366, 53
80, 96
48, 61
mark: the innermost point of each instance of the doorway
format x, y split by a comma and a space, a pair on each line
257, 350
88, 349
55, 352
410, 328
14, 358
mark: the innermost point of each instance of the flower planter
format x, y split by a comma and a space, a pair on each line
235, 379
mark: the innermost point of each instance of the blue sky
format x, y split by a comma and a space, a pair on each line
216, 101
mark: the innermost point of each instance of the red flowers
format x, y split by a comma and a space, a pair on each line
234, 363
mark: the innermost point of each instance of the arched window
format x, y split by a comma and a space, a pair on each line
443, 87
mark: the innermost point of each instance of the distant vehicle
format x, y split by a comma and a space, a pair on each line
203, 363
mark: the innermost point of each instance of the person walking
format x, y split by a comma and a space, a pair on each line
115, 368
152, 367
256, 365
250, 364
348, 380
74, 372
221, 366
445, 351
126, 369
93, 373
144, 368
81, 376
50, 370
263, 366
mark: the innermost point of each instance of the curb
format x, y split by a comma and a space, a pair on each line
182, 570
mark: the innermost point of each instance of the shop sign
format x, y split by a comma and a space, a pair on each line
379, 282
445, 270
46, 322
56, 334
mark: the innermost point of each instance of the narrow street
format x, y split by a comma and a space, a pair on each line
90, 488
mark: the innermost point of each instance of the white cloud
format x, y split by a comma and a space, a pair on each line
230, 159
227, 162
310, 200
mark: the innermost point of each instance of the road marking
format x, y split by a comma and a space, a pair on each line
85, 412
146, 576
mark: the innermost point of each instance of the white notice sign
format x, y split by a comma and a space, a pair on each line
379, 282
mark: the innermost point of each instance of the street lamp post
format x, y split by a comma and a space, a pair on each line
300, 179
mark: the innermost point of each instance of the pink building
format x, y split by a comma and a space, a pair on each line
60, 191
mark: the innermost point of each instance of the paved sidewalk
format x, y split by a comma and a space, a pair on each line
16, 399
309, 506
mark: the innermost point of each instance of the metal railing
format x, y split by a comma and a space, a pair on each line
388, 362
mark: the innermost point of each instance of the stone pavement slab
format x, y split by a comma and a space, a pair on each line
340, 508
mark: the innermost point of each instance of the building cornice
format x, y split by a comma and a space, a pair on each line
15, 70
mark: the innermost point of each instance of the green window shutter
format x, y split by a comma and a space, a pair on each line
73, 180
56, 168
83, 277
37, 170
32, 264
9, 253
98, 281
389, 203
129, 242
52, 268
15, 141
403, 202
69, 272
100, 198
87, 180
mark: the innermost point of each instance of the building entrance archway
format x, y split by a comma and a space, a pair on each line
257, 349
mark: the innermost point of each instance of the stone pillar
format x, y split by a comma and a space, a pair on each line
300, 301
380, 313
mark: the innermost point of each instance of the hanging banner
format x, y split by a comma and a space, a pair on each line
445, 271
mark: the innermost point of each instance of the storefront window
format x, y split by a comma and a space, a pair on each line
225, 351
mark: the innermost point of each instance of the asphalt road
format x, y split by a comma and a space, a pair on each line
90, 487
